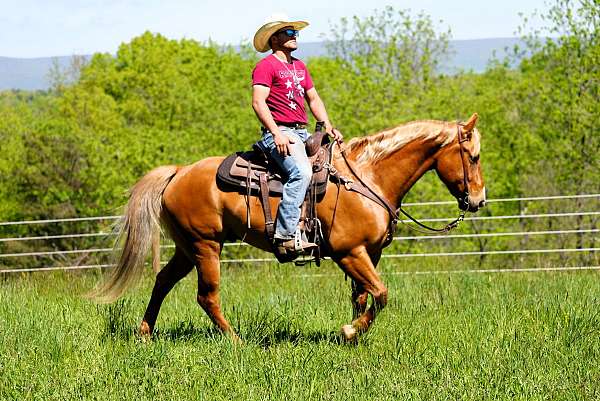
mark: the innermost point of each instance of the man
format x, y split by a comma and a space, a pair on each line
281, 84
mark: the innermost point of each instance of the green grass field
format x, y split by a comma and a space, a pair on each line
458, 336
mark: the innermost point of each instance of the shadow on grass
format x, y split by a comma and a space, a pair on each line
117, 319
265, 328
269, 339
186, 331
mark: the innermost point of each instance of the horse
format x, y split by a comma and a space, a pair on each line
200, 215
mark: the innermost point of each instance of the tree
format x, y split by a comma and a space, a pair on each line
560, 96
380, 70
391, 45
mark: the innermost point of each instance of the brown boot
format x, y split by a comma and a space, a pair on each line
294, 245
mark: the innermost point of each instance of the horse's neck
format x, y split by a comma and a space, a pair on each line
398, 172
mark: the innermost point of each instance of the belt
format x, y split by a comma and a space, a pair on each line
292, 125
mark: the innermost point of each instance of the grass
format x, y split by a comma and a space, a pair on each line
480, 336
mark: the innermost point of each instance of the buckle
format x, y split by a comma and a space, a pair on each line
291, 125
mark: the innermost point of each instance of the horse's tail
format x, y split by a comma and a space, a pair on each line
138, 230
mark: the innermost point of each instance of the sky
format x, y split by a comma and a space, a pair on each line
42, 28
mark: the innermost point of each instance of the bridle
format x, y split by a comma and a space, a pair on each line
463, 137
367, 191
463, 200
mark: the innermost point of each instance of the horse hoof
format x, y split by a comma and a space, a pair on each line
145, 330
349, 332
236, 340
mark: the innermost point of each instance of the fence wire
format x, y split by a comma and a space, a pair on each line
433, 203
580, 230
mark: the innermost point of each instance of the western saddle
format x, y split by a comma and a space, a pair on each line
255, 174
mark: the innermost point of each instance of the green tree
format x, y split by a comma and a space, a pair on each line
560, 97
381, 69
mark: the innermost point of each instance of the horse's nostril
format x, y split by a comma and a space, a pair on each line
482, 203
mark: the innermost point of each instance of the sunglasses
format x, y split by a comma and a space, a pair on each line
289, 32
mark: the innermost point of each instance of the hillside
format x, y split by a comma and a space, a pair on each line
32, 73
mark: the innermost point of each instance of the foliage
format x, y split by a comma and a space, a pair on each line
75, 150
381, 68
560, 95
391, 46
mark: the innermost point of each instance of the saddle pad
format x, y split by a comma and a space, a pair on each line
233, 171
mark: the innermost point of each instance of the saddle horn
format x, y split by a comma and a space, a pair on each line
315, 141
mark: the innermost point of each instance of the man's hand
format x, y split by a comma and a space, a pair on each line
282, 142
335, 134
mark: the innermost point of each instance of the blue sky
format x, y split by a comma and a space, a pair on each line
36, 28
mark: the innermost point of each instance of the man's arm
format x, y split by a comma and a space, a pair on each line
317, 107
259, 104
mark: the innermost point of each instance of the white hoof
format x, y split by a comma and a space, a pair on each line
349, 332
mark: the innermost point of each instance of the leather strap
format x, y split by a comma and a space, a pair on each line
295, 125
248, 193
461, 137
362, 188
264, 200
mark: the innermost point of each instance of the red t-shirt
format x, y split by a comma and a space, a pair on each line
288, 83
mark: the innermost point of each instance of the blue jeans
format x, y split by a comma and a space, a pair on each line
298, 171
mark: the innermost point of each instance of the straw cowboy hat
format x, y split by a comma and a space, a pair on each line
272, 24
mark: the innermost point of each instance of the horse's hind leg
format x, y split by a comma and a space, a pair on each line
177, 268
209, 275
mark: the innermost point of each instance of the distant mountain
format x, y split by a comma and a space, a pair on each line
33, 73
472, 54
28, 73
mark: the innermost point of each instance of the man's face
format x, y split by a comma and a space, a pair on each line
286, 38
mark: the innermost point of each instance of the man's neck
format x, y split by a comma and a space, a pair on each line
283, 55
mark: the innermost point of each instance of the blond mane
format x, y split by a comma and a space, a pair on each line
376, 147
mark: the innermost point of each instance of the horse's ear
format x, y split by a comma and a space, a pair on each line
469, 125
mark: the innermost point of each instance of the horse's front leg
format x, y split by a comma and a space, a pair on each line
359, 295
359, 299
209, 277
365, 280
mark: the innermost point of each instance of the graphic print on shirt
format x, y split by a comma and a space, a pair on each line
286, 99
293, 82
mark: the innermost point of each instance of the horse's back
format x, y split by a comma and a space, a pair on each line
193, 193
190, 175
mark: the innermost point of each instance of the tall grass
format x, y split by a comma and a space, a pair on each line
467, 336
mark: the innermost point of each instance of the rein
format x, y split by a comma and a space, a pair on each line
394, 213
464, 200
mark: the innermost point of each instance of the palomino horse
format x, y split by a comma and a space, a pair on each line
200, 216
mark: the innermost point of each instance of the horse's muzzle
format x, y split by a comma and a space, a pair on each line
472, 203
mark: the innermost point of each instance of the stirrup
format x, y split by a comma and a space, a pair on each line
297, 245
301, 243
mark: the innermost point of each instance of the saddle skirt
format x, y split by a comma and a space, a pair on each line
243, 169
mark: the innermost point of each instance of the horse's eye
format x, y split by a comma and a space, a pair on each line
474, 159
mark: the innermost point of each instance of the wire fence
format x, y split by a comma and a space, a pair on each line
433, 203
584, 229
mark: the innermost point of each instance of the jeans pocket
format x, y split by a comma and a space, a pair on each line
266, 143
303, 134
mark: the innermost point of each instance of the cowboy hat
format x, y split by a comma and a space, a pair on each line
272, 24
